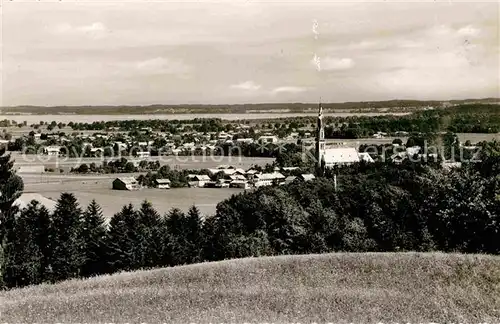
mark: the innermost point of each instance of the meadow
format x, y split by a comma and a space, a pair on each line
112, 201
338, 287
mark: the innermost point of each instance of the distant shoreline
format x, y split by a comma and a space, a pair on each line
262, 112
89, 118
397, 105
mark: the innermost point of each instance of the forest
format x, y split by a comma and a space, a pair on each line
370, 207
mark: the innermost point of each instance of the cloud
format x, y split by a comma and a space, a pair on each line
333, 64
247, 86
161, 65
468, 31
95, 27
288, 89
94, 30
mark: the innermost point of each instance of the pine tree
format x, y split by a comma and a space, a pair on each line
122, 240
176, 228
11, 187
28, 263
150, 230
194, 235
67, 256
93, 235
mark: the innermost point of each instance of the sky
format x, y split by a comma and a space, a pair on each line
76, 52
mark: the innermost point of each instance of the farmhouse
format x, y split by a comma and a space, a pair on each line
126, 183
268, 179
226, 172
243, 184
162, 183
198, 180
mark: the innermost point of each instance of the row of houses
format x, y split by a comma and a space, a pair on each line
234, 180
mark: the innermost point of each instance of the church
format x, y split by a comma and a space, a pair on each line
328, 157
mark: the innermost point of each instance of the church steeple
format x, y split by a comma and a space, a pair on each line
320, 137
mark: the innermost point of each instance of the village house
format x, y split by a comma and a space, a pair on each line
162, 183
224, 136
306, 177
242, 184
244, 140
272, 139
198, 180
52, 150
126, 183
268, 179
234, 177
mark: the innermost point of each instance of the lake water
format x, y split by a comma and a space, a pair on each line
33, 119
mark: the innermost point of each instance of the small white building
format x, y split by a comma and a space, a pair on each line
143, 154
244, 140
307, 177
52, 150
162, 183
268, 139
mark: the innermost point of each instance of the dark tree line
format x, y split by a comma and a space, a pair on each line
369, 207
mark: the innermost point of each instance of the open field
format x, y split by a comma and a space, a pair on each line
86, 188
98, 186
339, 288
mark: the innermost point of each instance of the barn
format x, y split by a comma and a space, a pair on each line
126, 183
162, 183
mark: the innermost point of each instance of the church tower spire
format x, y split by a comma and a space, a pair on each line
320, 137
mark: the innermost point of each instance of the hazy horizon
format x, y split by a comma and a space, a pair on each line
246, 52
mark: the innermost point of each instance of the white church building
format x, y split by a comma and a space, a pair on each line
328, 157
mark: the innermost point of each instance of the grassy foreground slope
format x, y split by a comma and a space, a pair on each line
365, 287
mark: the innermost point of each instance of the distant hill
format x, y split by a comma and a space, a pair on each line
339, 288
368, 106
